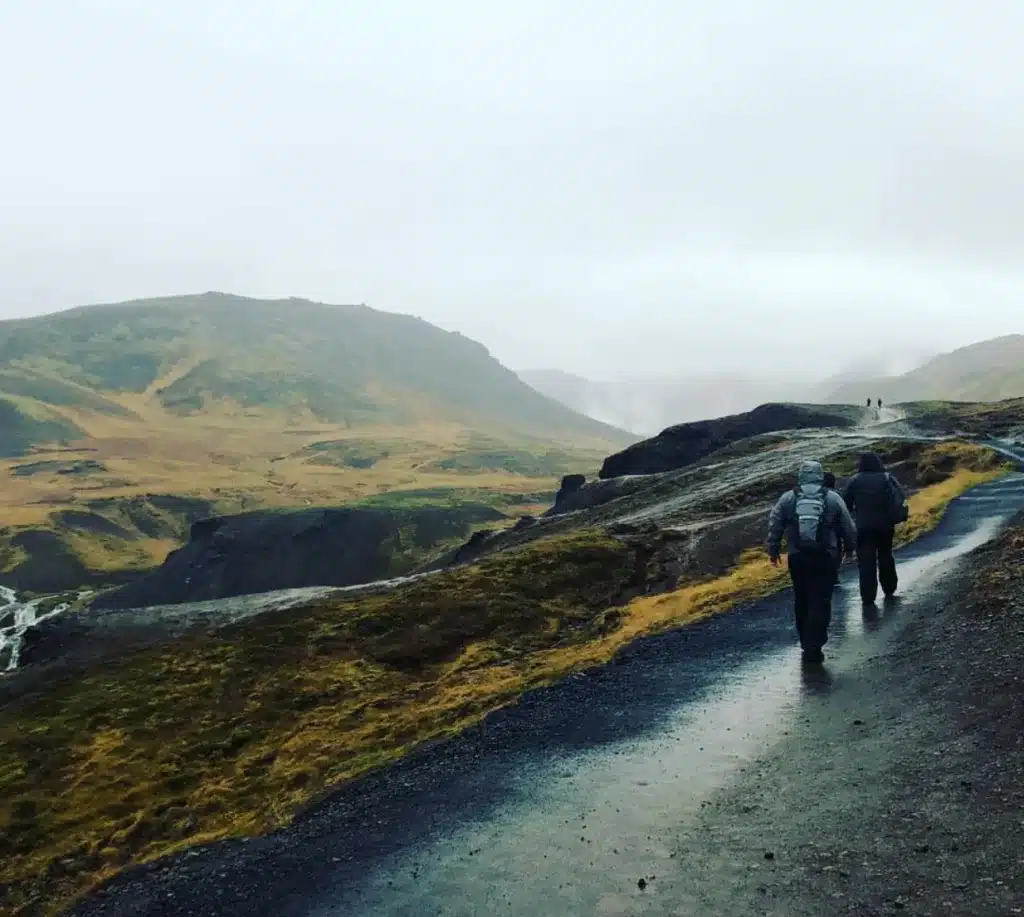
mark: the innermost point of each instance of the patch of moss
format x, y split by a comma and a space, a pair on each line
21, 429
347, 454
10, 554
53, 391
116, 540
923, 464
988, 418
229, 733
452, 497
549, 463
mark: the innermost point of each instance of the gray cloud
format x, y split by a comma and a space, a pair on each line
604, 187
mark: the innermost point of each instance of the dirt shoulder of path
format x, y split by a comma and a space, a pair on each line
900, 789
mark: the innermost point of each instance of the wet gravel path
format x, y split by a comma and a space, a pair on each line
900, 788
563, 803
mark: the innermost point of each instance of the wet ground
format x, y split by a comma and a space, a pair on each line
561, 804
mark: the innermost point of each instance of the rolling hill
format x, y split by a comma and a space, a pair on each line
987, 371
348, 365
244, 404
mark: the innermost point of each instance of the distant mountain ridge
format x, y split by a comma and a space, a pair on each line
881, 366
647, 406
191, 355
986, 371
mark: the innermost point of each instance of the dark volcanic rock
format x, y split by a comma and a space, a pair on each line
571, 484
475, 546
268, 550
51, 639
687, 443
592, 494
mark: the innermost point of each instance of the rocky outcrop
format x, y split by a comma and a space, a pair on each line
591, 494
571, 484
687, 443
269, 550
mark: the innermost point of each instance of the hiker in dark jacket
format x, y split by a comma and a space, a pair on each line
811, 517
875, 499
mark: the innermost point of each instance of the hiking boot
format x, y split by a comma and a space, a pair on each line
812, 657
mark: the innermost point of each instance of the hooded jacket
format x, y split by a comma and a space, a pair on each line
810, 479
869, 494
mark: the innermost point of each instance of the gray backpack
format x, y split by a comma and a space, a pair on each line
810, 526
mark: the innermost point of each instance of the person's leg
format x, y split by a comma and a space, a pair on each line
798, 573
819, 604
867, 561
886, 563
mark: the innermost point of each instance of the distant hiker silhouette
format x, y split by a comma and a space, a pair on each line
869, 402
879, 404
878, 504
811, 516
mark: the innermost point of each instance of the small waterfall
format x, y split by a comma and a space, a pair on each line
16, 618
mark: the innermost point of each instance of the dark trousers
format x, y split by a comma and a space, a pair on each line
877, 565
813, 581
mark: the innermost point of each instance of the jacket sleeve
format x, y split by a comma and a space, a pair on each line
777, 522
850, 494
846, 523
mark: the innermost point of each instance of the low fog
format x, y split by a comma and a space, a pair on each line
616, 190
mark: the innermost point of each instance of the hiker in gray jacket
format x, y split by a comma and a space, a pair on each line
878, 504
812, 518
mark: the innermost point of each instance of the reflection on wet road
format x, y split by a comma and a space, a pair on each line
574, 830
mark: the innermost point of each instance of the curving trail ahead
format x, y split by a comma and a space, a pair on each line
556, 806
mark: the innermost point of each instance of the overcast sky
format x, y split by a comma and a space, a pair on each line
602, 187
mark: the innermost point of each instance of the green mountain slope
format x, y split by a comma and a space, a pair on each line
987, 371
348, 365
23, 424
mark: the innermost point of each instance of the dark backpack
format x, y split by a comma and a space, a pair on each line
810, 521
899, 511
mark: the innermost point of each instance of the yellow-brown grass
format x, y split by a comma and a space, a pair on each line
205, 459
238, 463
229, 734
